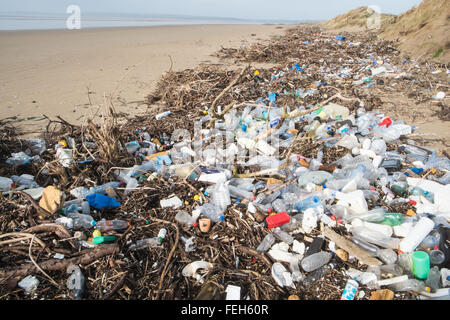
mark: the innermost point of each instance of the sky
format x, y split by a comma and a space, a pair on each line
241, 9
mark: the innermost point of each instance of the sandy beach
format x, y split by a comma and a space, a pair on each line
50, 72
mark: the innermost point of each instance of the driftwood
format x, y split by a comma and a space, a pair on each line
56, 264
362, 255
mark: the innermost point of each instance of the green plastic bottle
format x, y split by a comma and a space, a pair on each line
399, 190
104, 239
392, 219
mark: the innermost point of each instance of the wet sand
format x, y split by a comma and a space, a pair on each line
50, 71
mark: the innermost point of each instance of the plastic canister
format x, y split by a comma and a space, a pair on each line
421, 264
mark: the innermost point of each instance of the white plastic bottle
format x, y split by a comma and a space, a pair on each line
422, 228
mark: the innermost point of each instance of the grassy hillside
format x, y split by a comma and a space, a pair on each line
424, 31
356, 20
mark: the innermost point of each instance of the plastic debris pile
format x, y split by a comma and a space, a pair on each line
292, 186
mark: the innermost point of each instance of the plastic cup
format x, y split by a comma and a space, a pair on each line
421, 264
436, 257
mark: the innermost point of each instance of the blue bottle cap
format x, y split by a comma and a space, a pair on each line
93, 222
238, 200
222, 218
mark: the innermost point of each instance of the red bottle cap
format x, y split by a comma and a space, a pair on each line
412, 202
269, 210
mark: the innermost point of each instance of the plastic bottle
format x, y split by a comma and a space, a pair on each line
19, 158
65, 221
221, 196
392, 219
111, 225
76, 281
149, 242
374, 215
212, 212
279, 206
388, 256
283, 236
393, 269
409, 285
422, 228
310, 202
5, 184
445, 277
185, 218
432, 240
416, 191
433, 279
375, 238
437, 257
132, 184
240, 193
266, 243
365, 245
81, 221
383, 229
350, 290
146, 166
315, 261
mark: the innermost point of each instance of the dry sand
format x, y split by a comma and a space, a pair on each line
49, 72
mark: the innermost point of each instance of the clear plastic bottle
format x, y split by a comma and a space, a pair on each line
240, 193
221, 196
19, 158
315, 261
388, 256
437, 257
111, 225
266, 243
212, 212
283, 236
132, 184
278, 205
81, 221
431, 241
310, 202
5, 184
433, 279
409, 285
375, 238
185, 218
393, 269
76, 281
146, 166
374, 215
149, 242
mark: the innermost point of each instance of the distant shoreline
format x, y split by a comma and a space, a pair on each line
28, 23
148, 26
